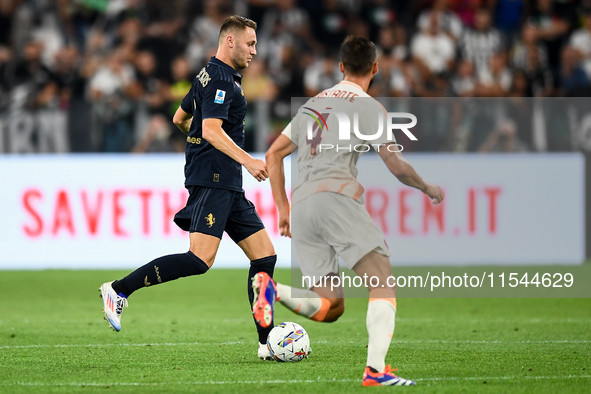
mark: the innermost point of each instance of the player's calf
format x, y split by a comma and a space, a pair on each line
336, 308
310, 304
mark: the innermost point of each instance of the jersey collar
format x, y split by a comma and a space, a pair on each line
351, 83
218, 62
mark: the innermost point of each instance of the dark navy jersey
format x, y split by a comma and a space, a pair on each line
216, 93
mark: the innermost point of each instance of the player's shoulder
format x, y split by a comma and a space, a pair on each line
219, 73
374, 102
369, 101
213, 76
223, 75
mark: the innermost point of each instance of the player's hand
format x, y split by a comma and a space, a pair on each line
435, 193
258, 169
284, 223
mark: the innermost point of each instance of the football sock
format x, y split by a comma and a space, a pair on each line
303, 302
163, 269
266, 264
120, 287
381, 313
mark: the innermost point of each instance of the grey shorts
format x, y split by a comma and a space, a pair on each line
327, 225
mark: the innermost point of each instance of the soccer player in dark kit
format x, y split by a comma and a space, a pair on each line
212, 115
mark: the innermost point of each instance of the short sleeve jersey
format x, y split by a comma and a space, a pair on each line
333, 170
216, 93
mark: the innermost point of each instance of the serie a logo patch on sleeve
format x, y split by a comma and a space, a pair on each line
220, 96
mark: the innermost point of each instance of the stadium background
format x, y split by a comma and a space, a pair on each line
84, 83
96, 78
107, 75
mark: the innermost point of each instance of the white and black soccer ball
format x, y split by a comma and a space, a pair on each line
288, 342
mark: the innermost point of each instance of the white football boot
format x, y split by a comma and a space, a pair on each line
113, 305
264, 353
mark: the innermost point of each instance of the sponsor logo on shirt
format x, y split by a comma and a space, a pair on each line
220, 96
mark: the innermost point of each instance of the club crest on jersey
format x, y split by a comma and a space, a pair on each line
220, 96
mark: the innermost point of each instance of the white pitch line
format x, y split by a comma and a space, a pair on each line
207, 382
484, 320
121, 344
435, 341
567, 341
505, 378
319, 380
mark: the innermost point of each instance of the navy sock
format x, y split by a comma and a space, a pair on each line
266, 264
120, 287
160, 270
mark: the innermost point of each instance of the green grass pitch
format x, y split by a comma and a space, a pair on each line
196, 335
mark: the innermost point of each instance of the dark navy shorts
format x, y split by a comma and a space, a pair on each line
212, 211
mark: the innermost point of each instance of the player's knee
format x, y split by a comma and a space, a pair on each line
267, 249
207, 258
267, 252
266, 264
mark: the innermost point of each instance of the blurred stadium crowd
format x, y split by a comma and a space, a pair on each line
112, 73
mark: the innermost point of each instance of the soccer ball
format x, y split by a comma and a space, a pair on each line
288, 342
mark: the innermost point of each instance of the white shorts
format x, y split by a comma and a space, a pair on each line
327, 225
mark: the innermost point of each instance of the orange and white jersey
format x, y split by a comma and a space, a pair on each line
326, 161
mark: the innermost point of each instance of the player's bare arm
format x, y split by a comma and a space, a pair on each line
182, 120
215, 135
281, 148
406, 174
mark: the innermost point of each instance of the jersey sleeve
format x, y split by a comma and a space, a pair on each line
287, 131
217, 97
188, 103
292, 130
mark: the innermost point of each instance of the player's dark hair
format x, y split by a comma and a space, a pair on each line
358, 55
236, 23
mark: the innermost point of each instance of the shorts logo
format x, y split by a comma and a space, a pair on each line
209, 220
220, 96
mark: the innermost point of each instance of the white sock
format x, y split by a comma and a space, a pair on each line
380, 327
303, 302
